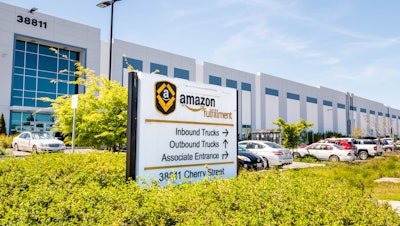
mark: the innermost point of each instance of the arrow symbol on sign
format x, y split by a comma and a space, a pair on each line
225, 142
226, 132
225, 156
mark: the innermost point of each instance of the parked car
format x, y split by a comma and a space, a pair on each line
249, 160
344, 143
330, 152
300, 152
37, 142
389, 147
365, 148
273, 154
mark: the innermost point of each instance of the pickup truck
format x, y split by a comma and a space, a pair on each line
364, 148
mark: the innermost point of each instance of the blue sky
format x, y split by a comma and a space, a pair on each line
347, 45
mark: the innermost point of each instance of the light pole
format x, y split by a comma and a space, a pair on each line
103, 5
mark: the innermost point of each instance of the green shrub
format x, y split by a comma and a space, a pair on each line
5, 141
90, 189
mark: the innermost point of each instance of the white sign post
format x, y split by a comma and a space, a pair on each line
74, 105
186, 131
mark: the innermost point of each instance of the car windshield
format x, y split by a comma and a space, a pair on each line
273, 145
41, 136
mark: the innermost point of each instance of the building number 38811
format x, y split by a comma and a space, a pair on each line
31, 21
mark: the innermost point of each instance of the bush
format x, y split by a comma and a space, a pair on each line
90, 189
4, 151
5, 141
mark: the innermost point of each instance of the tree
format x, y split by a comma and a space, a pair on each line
101, 116
2, 125
356, 133
290, 132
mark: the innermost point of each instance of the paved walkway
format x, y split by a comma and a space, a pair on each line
395, 204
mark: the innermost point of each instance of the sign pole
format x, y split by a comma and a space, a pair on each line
74, 105
73, 131
132, 126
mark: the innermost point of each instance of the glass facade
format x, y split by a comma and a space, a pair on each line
39, 71
25, 121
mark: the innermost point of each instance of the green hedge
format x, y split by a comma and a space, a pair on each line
90, 189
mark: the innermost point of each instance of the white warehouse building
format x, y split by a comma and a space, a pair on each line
28, 65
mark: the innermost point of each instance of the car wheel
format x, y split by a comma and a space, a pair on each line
267, 163
34, 149
388, 149
240, 166
296, 155
363, 155
16, 147
334, 158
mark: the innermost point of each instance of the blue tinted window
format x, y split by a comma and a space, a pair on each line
214, 80
45, 50
50, 75
63, 65
72, 89
30, 102
136, 64
32, 47
62, 88
74, 56
163, 70
342, 106
380, 113
312, 100
272, 92
30, 83
16, 101
327, 103
246, 86
20, 45
180, 73
41, 103
363, 110
72, 67
372, 112
62, 78
18, 71
34, 70
29, 94
293, 96
18, 82
45, 85
30, 72
16, 93
19, 59
64, 54
31, 60
231, 83
47, 63
353, 108
44, 117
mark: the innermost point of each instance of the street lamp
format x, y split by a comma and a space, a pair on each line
104, 5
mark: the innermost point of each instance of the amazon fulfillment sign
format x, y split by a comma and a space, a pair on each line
180, 130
